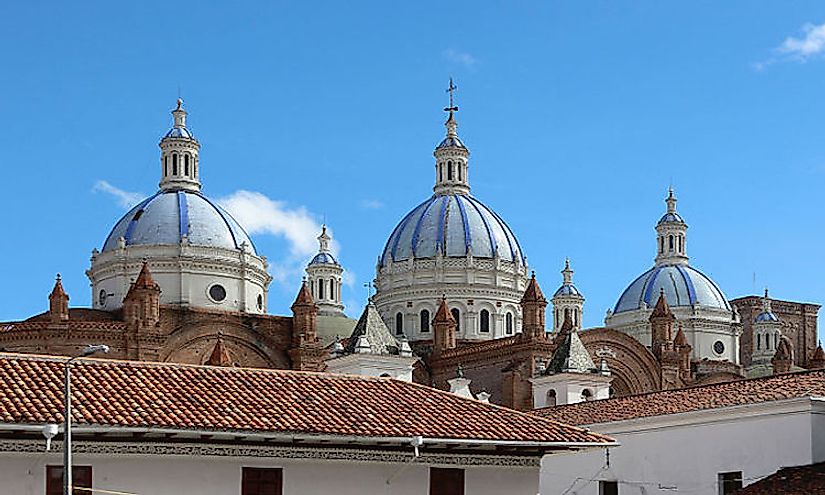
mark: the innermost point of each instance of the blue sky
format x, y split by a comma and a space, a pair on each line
578, 115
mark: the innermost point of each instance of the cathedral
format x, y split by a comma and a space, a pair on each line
455, 306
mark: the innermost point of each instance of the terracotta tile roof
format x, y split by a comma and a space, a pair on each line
799, 480
188, 397
718, 395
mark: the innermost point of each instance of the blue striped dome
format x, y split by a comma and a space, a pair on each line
682, 284
766, 316
454, 225
168, 216
567, 290
179, 132
323, 259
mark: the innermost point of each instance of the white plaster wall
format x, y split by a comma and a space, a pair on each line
25, 475
687, 451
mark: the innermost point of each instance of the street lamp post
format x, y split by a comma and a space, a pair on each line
67, 414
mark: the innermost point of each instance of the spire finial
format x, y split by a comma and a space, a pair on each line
671, 200
179, 114
766, 302
567, 273
451, 123
323, 240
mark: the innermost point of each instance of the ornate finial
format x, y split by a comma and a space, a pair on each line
671, 200
451, 89
532, 274
766, 292
179, 114
58, 277
459, 371
180, 103
567, 273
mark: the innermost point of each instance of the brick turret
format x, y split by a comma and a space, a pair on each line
533, 306
783, 359
661, 326
443, 329
141, 306
58, 303
306, 352
817, 361
220, 354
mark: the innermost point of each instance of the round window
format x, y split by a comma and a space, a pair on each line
101, 297
217, 293
718, 347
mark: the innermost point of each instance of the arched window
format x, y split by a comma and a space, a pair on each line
681, 244
332, 289
186, 164
166, 165
587, 395
459, 171
457, 317
425, 321
670, 242
576, 318
758, 341
320, 288
174, 164
509, 323
566, 313
485, 320
399, 323
440, 172
449, 170
551, 398
661, 244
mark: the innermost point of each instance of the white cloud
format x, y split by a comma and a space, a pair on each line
371, 204
259, 214
125, 199
459, 57
811, 43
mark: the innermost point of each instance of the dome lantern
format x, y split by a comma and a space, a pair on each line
451, 156
671, 236
179, 162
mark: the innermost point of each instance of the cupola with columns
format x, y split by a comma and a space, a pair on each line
567, 300
325, 276
767, 332
179, 155
451, 156
671, 236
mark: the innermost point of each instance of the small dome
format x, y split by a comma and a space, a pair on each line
451, 142
682, 285
567, 290
179, 132
454, 225
323, 259
168, 217
766, 316
671, 217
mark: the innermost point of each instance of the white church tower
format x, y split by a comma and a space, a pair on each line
325, 275
179, 155
567, 301
767, 332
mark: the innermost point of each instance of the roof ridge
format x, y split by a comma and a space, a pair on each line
684, 389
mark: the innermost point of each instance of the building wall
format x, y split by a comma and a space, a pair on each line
687, 451
25, 475
799, 323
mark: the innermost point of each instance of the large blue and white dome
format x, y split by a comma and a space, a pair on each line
683, 285
453, 225
172, 217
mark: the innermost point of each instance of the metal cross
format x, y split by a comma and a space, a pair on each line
369, 287
451, 89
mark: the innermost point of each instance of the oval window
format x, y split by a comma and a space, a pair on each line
217, 293
718, 347
101, 297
